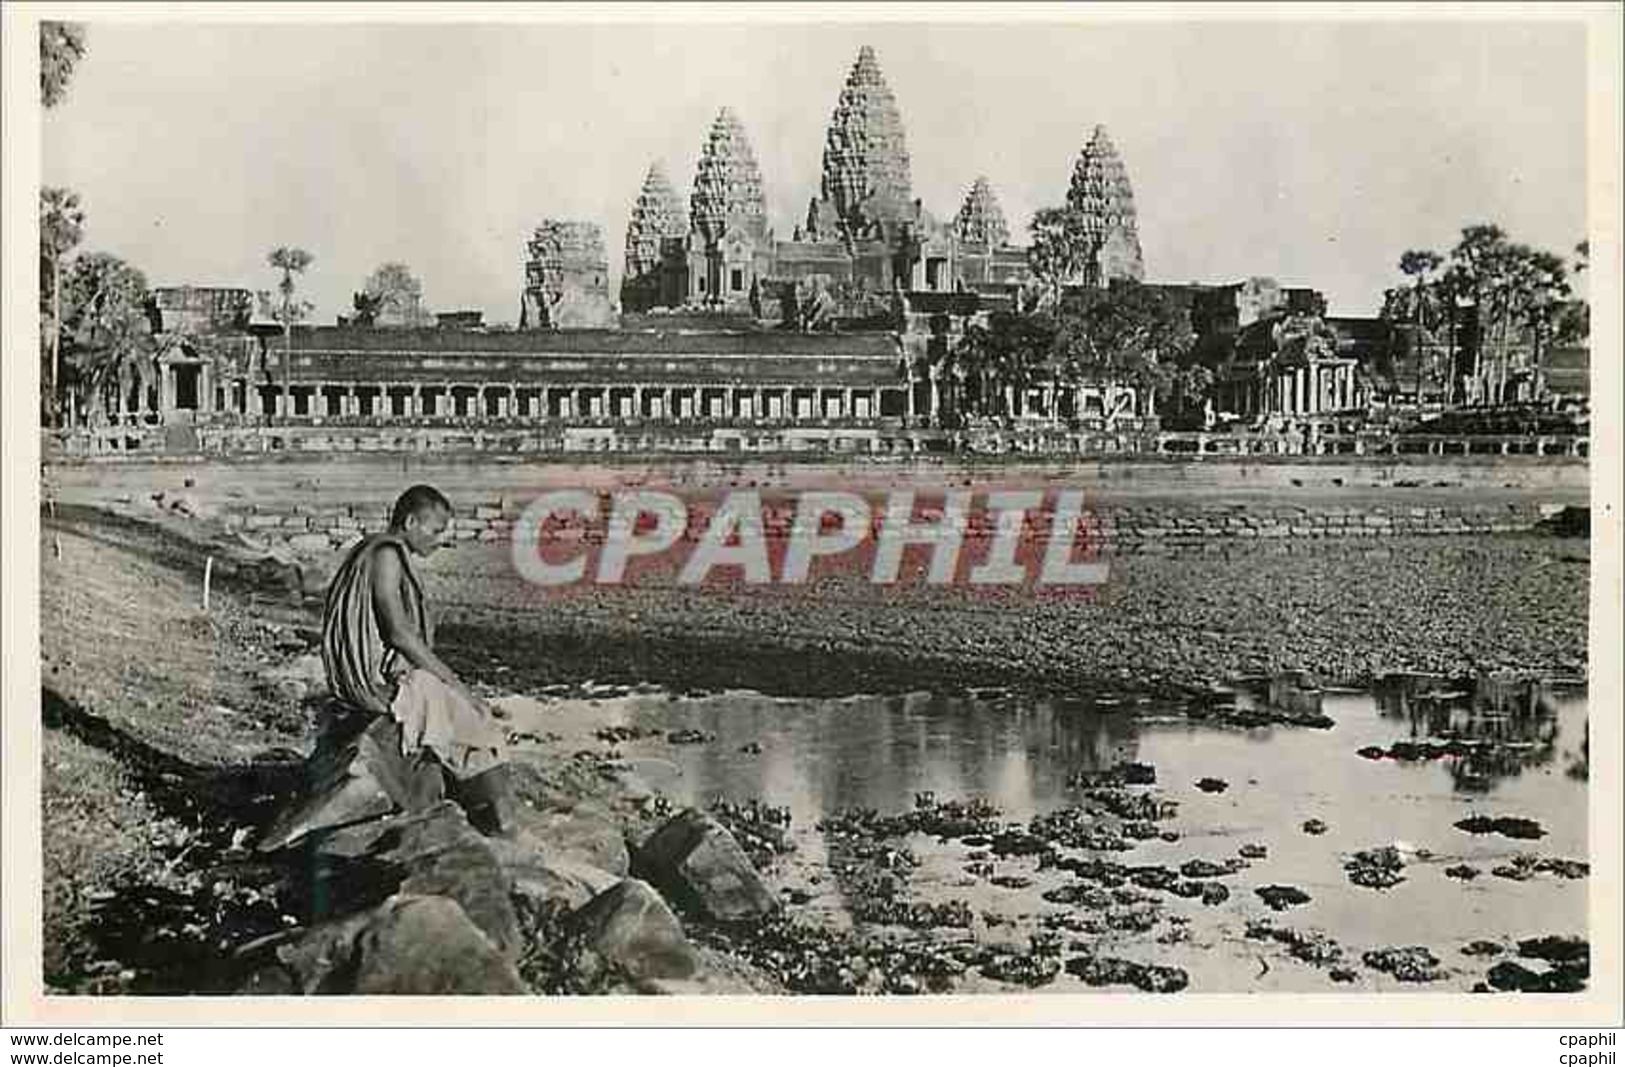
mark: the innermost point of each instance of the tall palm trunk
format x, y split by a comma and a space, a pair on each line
1421, 325
287, 368
1450, 354
56, 337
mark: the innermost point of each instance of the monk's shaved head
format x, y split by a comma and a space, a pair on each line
416, 501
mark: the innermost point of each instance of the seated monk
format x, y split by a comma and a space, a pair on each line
378, 648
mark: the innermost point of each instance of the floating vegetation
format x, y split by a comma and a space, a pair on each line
1505, 825
1307, 945
1413, 963
1109, 970
1376, 868
1281, 897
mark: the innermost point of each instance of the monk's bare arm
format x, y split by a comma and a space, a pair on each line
397, 629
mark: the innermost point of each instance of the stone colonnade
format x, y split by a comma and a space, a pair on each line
387, 400
1314, 389
1049, 401
140, 404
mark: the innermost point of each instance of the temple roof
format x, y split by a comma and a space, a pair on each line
866, 166
728, 181
656, 214
981, 219
454, 344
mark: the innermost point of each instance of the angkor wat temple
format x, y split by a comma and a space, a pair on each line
864, 237
728, 337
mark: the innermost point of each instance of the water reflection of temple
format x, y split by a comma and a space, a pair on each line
819, 757
1506, 724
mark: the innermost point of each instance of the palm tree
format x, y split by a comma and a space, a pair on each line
1478, 263
61, 47
289, 261
61, 226
1545, 292
107, 324
1420, 264
1450, 287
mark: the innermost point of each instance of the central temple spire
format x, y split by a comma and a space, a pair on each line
866, 167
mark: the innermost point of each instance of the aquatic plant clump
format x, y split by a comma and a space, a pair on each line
762, 830
1413, 963
1505, 825
1376, 868
1307, 945
1524, 867
1109, 970
1281, 897
944, 819
1130, 773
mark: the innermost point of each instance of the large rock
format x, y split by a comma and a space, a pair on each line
407, 945
631, 927
355, 778
696, 860
431, 853
582, 835
428, 946
318, 962
543, 877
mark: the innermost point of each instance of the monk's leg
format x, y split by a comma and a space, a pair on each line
489, 800
435, 718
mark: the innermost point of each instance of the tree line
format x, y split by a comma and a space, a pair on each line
1129, 333
1484, 302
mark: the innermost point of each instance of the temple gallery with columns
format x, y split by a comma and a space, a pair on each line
722, 321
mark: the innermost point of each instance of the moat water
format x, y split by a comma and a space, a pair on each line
817, 757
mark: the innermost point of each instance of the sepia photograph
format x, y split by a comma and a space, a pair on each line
651, 505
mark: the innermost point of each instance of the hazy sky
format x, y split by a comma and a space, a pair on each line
1314, 153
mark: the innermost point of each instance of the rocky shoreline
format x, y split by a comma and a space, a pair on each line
592, 902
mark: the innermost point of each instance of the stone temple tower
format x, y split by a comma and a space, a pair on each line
1102, 196
981, 220
866, 167
728, 182
657, 216
566, 278
729, 243
654, 237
